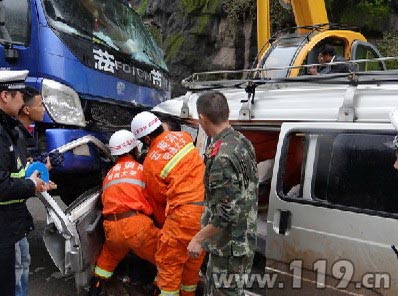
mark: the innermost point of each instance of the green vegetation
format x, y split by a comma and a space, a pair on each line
200, 6
173, 45
388, 47
370, 17
156, 34
141, 9
239, 10
280, 17
202, 23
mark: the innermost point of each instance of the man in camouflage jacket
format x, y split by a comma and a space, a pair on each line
231, 181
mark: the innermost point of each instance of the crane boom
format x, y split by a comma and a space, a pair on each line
263, 24
306, 13
309, 12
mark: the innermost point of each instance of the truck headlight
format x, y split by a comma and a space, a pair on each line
62, 103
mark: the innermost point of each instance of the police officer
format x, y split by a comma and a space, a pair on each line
15, 219
229, 223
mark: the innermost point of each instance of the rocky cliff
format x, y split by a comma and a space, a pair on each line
200, 35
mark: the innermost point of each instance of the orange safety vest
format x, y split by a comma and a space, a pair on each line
173, 172
123, 188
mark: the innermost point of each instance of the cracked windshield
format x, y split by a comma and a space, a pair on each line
110, 23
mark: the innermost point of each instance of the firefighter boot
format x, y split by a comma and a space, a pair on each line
96, 287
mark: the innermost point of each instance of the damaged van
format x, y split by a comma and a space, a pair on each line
328, 193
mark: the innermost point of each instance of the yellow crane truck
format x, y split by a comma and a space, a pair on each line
294, 47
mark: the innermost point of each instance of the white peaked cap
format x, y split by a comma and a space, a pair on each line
13, 80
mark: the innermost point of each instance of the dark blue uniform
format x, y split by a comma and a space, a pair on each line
15, 219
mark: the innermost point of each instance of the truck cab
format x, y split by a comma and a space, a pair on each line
96, 65
327, 208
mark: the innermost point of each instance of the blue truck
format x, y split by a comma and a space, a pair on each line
96, 65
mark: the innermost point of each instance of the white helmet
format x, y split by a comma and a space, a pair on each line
122, 142
144, 123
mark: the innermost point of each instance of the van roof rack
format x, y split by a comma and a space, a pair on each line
239, 78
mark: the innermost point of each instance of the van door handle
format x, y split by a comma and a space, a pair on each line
284, 221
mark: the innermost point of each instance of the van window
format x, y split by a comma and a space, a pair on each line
346, 170
17, 22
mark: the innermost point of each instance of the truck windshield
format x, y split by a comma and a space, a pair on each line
109, 22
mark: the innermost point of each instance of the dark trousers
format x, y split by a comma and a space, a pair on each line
7, 269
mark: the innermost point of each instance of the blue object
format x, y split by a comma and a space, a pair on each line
41, 168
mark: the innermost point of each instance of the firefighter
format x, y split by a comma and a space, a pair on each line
15, 219
174, 174
126, 211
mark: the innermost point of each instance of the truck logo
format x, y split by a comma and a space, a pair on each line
104, 61
156, 78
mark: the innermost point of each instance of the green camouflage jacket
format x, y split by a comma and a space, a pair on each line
231, 182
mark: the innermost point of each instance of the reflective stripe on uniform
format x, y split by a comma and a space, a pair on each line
176, 159
126, 180
102, 273
18, 175
190, 288
10, 202
169, 293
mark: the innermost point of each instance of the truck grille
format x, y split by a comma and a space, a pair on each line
109, 115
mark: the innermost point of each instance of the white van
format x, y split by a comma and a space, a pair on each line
328, 218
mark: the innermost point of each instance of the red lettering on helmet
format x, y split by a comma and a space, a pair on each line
153, 122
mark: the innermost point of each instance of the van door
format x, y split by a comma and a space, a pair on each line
334, 231
74, 237
363, 51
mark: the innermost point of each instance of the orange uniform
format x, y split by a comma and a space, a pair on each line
174, 173
126, 222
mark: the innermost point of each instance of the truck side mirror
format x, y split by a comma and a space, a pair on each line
394, 118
